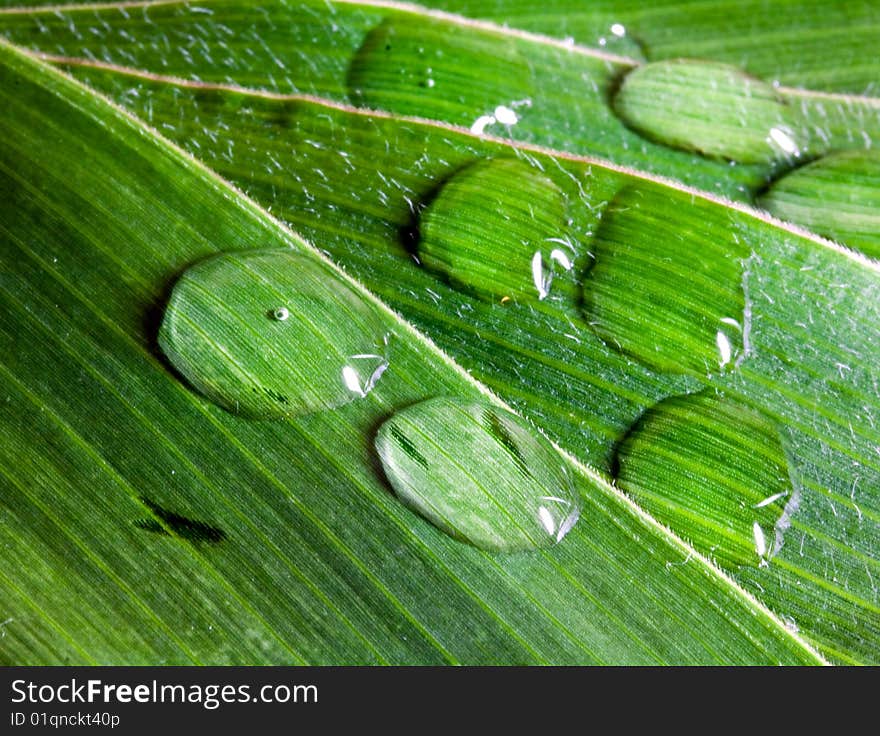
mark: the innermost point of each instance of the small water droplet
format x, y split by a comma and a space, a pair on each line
483, 235
670, 284
714, 109
713, 470
479, 473
331, 348
402, 57
837, 196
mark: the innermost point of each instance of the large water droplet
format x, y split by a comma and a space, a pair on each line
271, 333
670, 284
714, 471
479, 473
837, 196
406, 63
711, 108
482, 233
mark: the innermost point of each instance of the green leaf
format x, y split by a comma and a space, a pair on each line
318, 562
797, 316
812, 308
828, 46
380, 54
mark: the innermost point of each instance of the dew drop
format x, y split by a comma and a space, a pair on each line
481, 234
401, 58
669, 285
617, 39
714, 109
479, 473
713, 470
325, 347
837, 196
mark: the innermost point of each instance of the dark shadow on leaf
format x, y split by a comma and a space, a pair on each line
173, 524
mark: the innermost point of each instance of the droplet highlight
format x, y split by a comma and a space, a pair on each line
716, 472
404, 64
714, 109
837, 196
483, 236
479, 473
670, 284
273, 333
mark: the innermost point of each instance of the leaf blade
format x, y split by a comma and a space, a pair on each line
270, 491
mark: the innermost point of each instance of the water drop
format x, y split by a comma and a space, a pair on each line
402, 57
479, 473
837, 196
617, 39
713, 470
711, 108
323, 348
483, 235
670, 284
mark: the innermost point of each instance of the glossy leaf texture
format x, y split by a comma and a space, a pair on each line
798, 315
566, 326
312, 559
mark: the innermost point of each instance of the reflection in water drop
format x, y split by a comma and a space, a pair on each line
783, 138
505, 115
481, 233
670, 284
502, 114
711, 108
323, 348
716, 472
479, 473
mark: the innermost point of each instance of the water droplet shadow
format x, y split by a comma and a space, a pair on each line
409, 234
170, 523
152, 321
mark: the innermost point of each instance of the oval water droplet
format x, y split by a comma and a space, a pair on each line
272, 333
483, 235
669, 285
402, 62
837, 196
714, 109
616, 38
479, 473
714, 471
